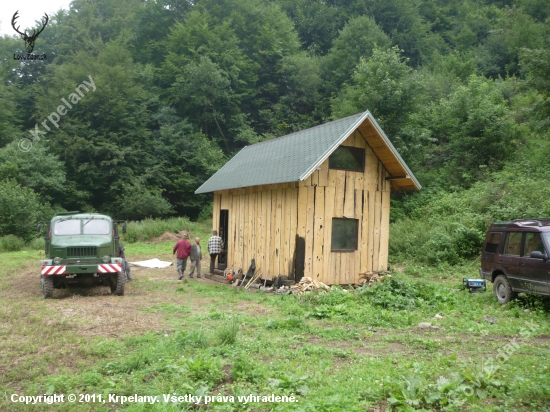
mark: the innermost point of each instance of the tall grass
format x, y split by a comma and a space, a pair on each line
11, 243
150, 228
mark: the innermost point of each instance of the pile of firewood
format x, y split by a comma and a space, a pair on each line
370, 278
308, 284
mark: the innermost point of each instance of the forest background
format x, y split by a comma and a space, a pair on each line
462, 89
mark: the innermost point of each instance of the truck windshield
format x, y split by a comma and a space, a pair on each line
67, 227
546, 236
97, 227
74, 227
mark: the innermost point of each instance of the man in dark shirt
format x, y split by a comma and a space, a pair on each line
183, 247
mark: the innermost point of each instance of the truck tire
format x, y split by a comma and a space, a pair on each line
46, 285
503, 290
118, 282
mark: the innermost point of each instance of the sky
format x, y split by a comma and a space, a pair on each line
29, 12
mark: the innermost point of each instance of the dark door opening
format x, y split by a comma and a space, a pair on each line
224, 229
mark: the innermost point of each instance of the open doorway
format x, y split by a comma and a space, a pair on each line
224, 228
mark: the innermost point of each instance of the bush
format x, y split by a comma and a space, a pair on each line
227, 334
11, 243
147, 229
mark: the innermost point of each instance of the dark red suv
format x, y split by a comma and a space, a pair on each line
516, 258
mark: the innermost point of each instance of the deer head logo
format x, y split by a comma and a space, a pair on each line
29, 40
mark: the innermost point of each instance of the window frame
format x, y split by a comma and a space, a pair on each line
363, 157
356, 235
498, 244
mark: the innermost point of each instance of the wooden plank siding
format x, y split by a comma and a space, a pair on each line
264, 221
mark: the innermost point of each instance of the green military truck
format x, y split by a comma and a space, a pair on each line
83, 249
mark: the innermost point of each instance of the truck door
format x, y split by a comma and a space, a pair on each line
534, 271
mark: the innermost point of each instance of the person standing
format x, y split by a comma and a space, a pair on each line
215, 247
183, 247
195, 257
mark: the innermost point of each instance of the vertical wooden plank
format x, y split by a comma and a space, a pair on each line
253, 228
359, 178
318, 232
370, 180
358, 215
310, 210
360, 141
302, 208
339, 196
384, 231
268, 223
285, 232
376, 233
338, 268
365, 233
242, 203
323, 174
328, 275
349, 195
233, 219
216, 211
332, 178
292, 194
273, 262
278, 232
315, 178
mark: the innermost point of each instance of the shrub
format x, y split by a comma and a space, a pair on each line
227, 334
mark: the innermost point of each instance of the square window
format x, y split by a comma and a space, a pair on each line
344, 235
513, 243
347, 158
492, 243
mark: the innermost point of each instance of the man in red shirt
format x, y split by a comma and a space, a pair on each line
183, 247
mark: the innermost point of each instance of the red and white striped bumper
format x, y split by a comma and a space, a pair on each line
53, 270
109, 268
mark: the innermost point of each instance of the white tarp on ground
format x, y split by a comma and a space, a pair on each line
152, 263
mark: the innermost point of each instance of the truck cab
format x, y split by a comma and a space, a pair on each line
82, 249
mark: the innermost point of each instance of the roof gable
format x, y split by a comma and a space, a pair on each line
294, 157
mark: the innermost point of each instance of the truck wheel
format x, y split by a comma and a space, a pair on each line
46, 284
503, 291
117, 283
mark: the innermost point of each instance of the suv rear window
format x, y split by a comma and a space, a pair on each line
493, 242
513, 243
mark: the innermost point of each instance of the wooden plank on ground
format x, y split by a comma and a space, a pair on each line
319, 233
328, 274
349, 195
310, 218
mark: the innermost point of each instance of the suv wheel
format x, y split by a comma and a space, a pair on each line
503, 291
46, 284
118, 281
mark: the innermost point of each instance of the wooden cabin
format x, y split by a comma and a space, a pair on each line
312, 203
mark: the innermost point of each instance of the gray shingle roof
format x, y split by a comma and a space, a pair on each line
289, 158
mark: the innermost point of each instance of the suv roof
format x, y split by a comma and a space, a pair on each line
540, 223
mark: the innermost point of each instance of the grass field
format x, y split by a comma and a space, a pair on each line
356, 350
